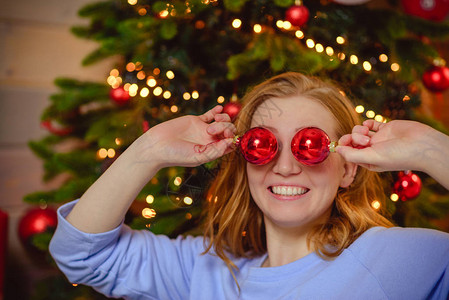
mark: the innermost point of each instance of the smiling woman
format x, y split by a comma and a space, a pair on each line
277, 226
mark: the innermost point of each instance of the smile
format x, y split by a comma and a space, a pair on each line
288, 190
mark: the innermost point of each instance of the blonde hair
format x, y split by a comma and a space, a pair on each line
234, 224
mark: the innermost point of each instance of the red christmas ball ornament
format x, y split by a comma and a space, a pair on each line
259, 147
56, 129
436, 79
297, 15
37, 220
435, 10
408, 185
310, 146
232, 109
119, 95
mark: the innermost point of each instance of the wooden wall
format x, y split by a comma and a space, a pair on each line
36, 46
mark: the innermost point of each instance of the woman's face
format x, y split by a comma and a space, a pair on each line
290, 194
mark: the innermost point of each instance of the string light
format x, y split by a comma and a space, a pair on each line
394, 197
395, 67
280, 24
141, 75
148, 213
406, 98
149, 199
353, 59
286, 25
118, 141
186, 96
299, 34
310, 43
166, 94
220, 99
236, 23
187, 200
102, 153
257, 28
133, 90
177, 181
144, 92
359, 109
114, 72
111, 153
370, 114
195, 95
174, 109
329, 51
319, 48
157, 91
132, 2
383, 58
375, 204
130, 67
367, 66
340, 40
170, 74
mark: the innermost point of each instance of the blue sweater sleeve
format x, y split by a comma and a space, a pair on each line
124, 262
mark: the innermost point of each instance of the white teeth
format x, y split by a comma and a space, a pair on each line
288, 191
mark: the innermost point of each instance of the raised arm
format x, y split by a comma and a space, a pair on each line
171, 143
398, 145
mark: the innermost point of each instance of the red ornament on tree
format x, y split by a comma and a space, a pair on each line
55, 128
435, 10
119, 95
37, 220
436, 79
408, 186
232, 109
297, 14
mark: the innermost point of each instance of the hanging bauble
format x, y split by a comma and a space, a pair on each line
436, 79
35, 221
119, 95
232, 109
435, 10
351, 2
408, 185
56, 128
297, 14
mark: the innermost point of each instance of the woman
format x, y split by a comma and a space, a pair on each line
282, 224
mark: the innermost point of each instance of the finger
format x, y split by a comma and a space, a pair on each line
360, 129
361, 157
345, 140
222, 118
215, 150
210, 114
373, 125
219, 128
360, 139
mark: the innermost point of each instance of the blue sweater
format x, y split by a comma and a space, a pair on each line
393, 263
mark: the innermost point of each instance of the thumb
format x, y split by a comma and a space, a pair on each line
360, 157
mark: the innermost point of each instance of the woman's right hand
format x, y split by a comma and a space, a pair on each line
188, 141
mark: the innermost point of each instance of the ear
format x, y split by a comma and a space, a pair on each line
350, 170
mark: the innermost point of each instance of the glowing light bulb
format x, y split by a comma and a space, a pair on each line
319, 48
149, 199
170, 74
177, 181
111, 153
174, 109
353, 59
187, 200
236, 23
359, 109
186, 96
367, 66
220, 99
310, 43
340, 40
370, 114
151, 82
144, 92
166, 94
130, 67
299, 34
375, 204
383, 58
329, 51
195, 95
394, 197
157, 91
257, 28
395, 67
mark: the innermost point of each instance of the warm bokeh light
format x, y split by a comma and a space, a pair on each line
379, 118
286, 25
157, 91
195, 95
340, 40
329, 51
174, 109
354, 59
367, 66
118, 141
395, 67
394, 197
177, 181
257, 28
186, 96
151, 82
370, 114
310, 43
166, 94
102, 153
130, 67
149, 199
375, 204
170, 74
299, 34
114, 72
133, 89
220, 99
383, 58
236, 23
406, 98
144, 92
187, 200
111, 153
148, 213
360, 109
319, 48
132, 2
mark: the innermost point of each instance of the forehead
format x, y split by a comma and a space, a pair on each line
294, 113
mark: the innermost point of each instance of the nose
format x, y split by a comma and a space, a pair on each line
285, 164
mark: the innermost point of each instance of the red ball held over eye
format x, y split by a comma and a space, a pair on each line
309, 146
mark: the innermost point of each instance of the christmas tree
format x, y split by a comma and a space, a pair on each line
183, 57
